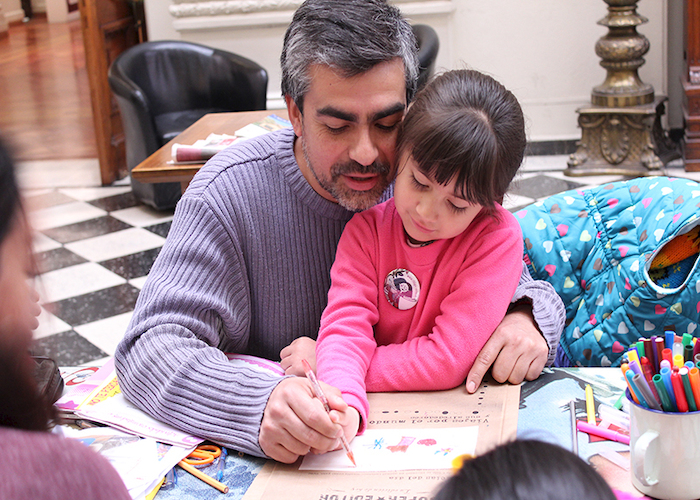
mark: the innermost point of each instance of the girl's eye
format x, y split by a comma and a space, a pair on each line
455, 208
418, 184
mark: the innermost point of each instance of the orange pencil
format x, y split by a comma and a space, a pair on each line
201, 475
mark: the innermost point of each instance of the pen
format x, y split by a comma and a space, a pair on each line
634, 389
646, 392
625, 369
604, 433
590, 405
574, 436
658, 351
221, 464
666, 377
648, 374
663, 394
320, 395
681, 401
669, 338
685, 378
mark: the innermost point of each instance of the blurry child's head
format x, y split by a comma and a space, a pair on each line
21, 405
526, 470
463, 139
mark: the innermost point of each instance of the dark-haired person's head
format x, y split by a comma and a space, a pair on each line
351, 36
526, 470
21, 405
468, 128
349, 70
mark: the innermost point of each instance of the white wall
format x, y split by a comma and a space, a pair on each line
12, 10
543, 50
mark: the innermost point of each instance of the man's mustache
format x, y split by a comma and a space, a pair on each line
352, 167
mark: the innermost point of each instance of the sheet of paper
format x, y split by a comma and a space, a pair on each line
493, 409
399, 449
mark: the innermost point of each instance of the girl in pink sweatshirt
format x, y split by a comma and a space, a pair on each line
421, 281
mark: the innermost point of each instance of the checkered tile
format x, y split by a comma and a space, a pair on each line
95, 245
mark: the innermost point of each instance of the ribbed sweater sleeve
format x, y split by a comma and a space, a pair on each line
42, 465
547, 309
245, 269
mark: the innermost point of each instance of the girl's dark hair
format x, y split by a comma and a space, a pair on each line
526, 470
21, 404
466, 126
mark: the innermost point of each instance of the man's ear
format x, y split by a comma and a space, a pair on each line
294, 115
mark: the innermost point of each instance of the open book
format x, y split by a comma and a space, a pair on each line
203, 149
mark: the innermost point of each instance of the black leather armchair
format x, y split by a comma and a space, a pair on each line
428, 46
163, 87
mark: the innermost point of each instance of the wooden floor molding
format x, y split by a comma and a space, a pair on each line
45, 110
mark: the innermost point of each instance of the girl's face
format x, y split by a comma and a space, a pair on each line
430, 211
18, 299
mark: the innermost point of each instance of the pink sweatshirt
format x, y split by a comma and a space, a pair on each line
365, 344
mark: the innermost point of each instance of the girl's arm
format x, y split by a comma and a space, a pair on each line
346, 343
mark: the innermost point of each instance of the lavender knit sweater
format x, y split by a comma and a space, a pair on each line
245, 268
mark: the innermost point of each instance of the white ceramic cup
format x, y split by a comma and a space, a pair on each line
665, 452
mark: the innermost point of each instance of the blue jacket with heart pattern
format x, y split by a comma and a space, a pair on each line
595, 247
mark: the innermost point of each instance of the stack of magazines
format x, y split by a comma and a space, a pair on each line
203, 149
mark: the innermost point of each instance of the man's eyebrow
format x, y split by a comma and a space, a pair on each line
337, 113
399, 107
392, 110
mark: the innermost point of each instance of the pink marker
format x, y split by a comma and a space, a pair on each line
604, 433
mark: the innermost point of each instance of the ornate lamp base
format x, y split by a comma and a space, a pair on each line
622, 141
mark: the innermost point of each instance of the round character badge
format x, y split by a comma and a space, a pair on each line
402, 289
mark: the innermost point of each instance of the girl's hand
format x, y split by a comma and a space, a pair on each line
291, 356
349, 420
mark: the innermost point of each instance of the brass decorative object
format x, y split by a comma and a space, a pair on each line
621, 130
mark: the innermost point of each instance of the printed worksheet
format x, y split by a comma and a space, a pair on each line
399, 449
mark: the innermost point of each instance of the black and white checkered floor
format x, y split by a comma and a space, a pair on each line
95, 246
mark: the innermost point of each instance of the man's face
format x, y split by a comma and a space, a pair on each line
347, 133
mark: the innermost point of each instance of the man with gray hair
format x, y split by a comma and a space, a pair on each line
245, 268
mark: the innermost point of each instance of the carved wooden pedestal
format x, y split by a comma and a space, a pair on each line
622, 141
691, 87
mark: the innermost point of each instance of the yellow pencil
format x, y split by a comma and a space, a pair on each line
204, 477
590, 405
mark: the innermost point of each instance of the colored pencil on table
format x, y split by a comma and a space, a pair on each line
574, 435
201, 475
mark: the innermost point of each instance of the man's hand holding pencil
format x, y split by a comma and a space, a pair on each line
295, 422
